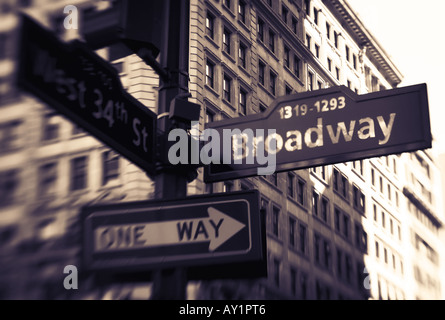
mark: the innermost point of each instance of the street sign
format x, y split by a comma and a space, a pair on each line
325, 127
85, 88
195, 231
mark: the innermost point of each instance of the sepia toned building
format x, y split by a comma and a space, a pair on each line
367, 229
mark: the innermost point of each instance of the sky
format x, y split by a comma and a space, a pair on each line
412, 33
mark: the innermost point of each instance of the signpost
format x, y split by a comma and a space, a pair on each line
82, 86
194, 231
325, 127
213, 231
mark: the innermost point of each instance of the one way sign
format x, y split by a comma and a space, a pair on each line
195, 231
215, 229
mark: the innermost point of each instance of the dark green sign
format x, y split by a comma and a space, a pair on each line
87, 90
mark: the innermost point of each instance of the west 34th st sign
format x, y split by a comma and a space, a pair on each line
85, 88
322, 127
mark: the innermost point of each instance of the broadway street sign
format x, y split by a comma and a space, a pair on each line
318, 128
196, 231
86, 89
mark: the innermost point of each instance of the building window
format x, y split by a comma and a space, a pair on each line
303, 286
383, 219
325, 209
329, 64
284, 13
354, 61
78, 173
210, 71
302, 238
337, 73
346, 225
292, 234
261, 72
227, 3
210, 25
340, 184
322, 251
288, 90
242, 55
315, 200
337, 217
317, 241
307, 7
293, 281
310, 81
260, 30
273, 178
359, 237
226, 41
347, 52
385, 255
328, 30
3, 45
326, 254
51, 125
242, 101
320, 171
339, 264
242, 11
275, 220
317, 50
290, 184
301, 186
335, 179
10, 136
294, 25
336, 39
286, 57
227, 88
358, 199
276, 264
348, 268
272, 83
9, 183
308, 41
272, 41
377, 252
263, 108
47, 179
297, 63
316, 16
110, 165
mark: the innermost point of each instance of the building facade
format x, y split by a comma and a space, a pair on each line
368, 229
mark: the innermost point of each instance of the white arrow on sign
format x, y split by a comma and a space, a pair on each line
217, 228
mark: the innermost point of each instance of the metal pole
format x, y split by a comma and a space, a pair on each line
171, 283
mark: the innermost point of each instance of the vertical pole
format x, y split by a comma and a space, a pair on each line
171, 283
